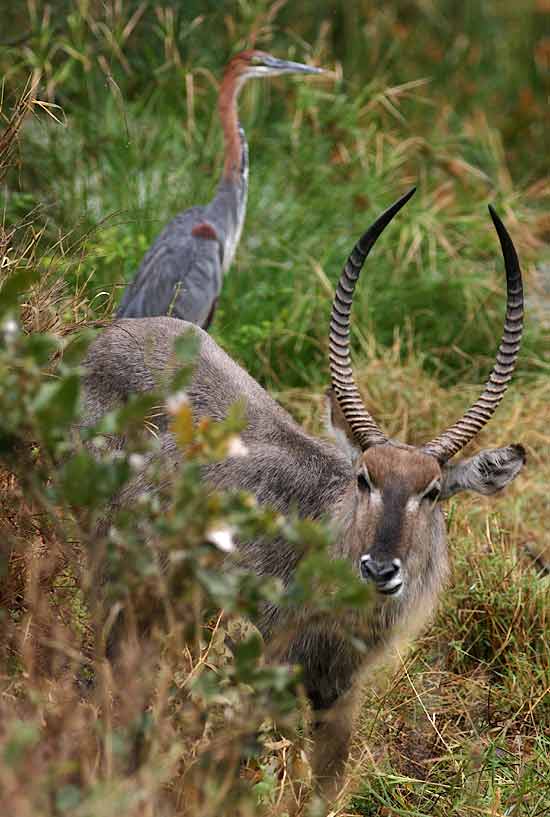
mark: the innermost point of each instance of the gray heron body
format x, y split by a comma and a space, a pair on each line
181, 274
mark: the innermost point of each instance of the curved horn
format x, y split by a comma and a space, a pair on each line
457, 436
364, 429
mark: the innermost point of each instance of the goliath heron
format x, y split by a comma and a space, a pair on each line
181, 274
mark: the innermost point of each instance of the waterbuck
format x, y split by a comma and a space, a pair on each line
383, 497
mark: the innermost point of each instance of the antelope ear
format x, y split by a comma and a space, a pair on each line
338, 427
487, 472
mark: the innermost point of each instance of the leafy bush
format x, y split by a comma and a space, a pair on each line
117, 131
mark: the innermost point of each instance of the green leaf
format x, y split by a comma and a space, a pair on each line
77, 346
89, 482
186, 348
328, 584
68, 797
56, 403
247, 654
136, 410
39, 347
223, 586
24, 735
16, 286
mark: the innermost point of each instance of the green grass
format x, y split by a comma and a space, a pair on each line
326, 157
450, 97
465, 726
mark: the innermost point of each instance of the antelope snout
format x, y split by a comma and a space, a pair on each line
385, 573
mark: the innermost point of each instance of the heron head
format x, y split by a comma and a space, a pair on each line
253, 63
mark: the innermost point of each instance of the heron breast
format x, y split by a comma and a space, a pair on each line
205, 230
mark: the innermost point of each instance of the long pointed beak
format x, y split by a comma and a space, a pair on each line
276, 66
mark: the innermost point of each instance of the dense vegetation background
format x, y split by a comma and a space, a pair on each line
111, 128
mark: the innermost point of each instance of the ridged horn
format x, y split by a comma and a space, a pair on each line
362, 425
450, 442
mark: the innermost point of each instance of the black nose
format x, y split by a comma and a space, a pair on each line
386, 573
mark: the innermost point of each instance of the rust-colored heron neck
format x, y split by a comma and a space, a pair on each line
232, 83
243, 66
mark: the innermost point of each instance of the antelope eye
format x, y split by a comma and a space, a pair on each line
433, 494
362, 482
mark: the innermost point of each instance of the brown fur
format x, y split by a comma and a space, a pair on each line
404, 466
289, 469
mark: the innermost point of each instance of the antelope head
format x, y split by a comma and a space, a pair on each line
395, 530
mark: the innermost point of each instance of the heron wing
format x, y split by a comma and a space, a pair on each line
180, 275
